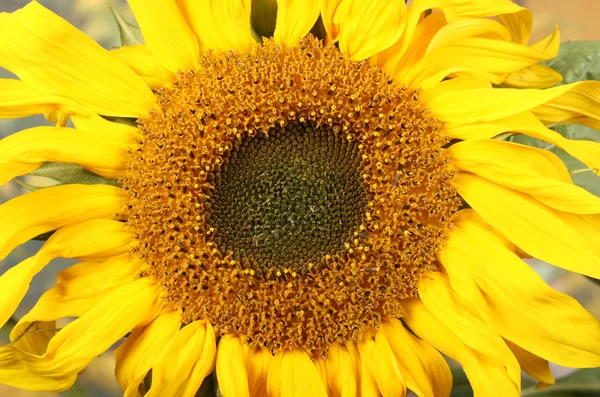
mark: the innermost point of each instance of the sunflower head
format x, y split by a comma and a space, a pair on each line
279, 182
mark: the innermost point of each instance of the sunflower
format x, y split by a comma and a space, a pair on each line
311, 207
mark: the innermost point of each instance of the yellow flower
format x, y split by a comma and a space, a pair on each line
306, 217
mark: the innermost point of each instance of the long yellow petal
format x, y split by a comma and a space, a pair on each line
476, 55
379, 363
364, 28
32, 46
220, 25
427, 373
140, 351
487, 377
91, 239
78, 343
560, 238
540, 173
258, 361
534, 366
37, 337
582, 100
443, 303
32, 214
204, 365
76, 296
459, 107
167, 34
231, 371
17, 99
293, 374
453, 10
14, 374
27, 150
343, 371
144, 64
392, 60
519, 24
467, 28
534, 76
586, 151
186, 359
295, 18
518, 300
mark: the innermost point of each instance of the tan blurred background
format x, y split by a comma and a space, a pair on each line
577, 20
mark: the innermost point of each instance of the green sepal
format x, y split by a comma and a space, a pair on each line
263, 16
122, 120
66, 173
129, 32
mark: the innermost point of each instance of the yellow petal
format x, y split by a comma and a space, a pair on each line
114, 131
364, 28
168, 36
220, 25
37, 337
14, 374
231, 371
424, 369
139, 352
459, 107
78, 343
293, 374
38, 212
586, 151
443, 303
560, 238
519, 25
75, 296
534, 366
258, 361
90, 239
540, 173
27, 150
51, 55
518, 300
144, 64
295, 18
17, 99
534, 76
487, 378
321, 368
453, 10
466, 28
378, 362
393, 59
581, 100
204, 365
343, 371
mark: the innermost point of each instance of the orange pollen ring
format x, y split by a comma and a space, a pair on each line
248, 140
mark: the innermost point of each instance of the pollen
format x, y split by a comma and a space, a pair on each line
289, 194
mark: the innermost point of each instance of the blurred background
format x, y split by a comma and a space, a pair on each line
577, 20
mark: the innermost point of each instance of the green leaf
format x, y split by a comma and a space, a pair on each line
71, 173
583, 383
130, 33
577, 60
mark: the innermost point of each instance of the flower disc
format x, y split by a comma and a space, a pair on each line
289, 194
